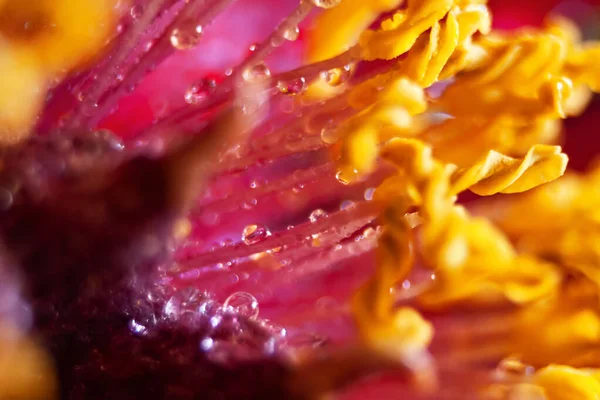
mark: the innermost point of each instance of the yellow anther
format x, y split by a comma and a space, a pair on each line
399, 33
497, 173
337, 30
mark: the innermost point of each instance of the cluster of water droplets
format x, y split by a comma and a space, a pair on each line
226, 323
228, 331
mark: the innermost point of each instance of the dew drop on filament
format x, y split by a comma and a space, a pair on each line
243, 304
136, 11
186, 36
253, 234
291, 34
292, 87
343, 177
512, 368
326, 3
317, 215
347, 204
256, 73
136, 328
337, 76
200, 91
329, 135
206, 344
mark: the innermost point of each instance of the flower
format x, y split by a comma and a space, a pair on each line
288, 226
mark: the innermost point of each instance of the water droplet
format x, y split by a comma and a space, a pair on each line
293, 87
291, 34
200, 91
208, 307
329, 134
317, 215
253, 234
206, 344
368, 232
347, 204
256, 73
136, 328
277, 40
274, 329
336, 76
243, 303
326, 3
345, 176
253, 47
136, 11
297, 189
215, 320
285, 262
369, 194
186, 36
185, 301
341, 178
171, 308
80, 96
511, 368
89, 109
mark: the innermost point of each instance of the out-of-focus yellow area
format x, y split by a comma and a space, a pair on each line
40, 41
26, 372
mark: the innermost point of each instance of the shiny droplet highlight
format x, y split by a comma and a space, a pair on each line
317, 215
337, 76
200, 91
326, 3
256, 73
186, 36
242, 303
253, 234
291, 34
292, 87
